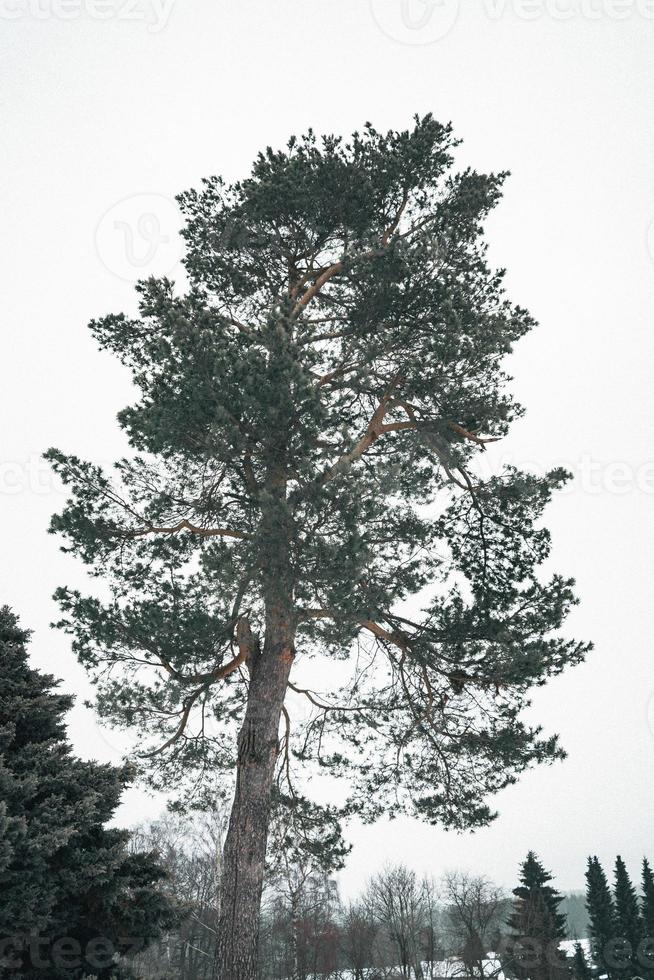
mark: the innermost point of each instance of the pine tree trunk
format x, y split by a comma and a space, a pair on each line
245, 843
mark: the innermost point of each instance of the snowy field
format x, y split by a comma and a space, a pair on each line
453, 969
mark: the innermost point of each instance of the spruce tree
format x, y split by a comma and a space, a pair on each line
72, 897
601, 912
647, 903
537, 924
333, 368
628, 921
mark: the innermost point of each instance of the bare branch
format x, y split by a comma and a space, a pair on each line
466, 434
179, 731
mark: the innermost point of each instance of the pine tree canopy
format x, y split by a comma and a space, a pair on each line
308, 421
64, 876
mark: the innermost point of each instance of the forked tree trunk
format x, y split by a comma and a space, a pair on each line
247, 835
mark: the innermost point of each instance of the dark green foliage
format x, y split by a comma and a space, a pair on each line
537, 924
305, 833
65, 878
581, 969
323, 380
601, 912
536, 906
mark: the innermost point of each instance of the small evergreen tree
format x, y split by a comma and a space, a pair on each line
628, 921
601, 912
537, 924
73, 899
581, 969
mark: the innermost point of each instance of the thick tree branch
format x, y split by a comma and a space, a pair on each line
179, 731
373, 430
246, 646
396, 638
205, 532
337, 267
313, 290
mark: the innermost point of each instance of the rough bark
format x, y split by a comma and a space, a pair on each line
245, 844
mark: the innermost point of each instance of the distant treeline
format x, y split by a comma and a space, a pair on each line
574, 908
401, 925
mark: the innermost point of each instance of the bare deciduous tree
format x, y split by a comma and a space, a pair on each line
475, 911
358, 939
190, 852
397, 901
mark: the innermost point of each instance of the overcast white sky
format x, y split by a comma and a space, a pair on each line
110, 107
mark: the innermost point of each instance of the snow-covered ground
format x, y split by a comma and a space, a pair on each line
453, 969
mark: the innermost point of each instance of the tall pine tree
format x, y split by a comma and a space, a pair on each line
71, 896
601, 913
628, 921
537, 924
333, 369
